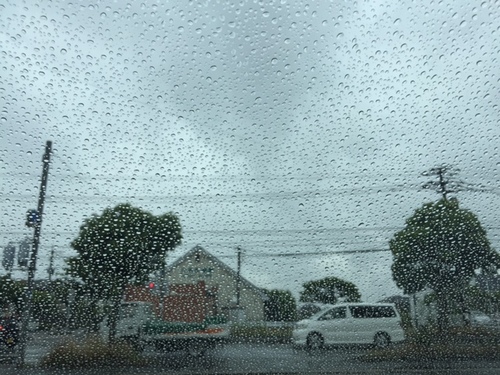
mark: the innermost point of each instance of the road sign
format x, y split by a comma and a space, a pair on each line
32, 218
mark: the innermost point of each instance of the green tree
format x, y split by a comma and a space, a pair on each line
329, 290
280, 306
439, 249
11, 294
123, 245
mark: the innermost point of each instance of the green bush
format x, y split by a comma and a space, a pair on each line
93, 352
261, 332
428, 343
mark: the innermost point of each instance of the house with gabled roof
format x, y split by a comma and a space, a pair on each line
199, 267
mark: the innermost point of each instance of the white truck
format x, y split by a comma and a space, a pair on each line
139, 326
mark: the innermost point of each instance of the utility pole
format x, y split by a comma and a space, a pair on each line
238, 280
446, 182
37, 223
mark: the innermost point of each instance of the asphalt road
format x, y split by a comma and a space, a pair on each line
255, 358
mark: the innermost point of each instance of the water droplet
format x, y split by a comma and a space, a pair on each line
63, 51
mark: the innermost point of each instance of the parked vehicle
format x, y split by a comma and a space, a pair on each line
139, 326
9, 333
350, 323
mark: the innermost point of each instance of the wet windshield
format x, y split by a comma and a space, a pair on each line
238, 166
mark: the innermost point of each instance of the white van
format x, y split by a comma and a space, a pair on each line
351, 323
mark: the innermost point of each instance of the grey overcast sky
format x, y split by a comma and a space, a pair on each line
278, 126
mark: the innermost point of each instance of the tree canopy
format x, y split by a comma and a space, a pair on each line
280, 306
329, 290
121, 246
11, 294
124, 244
440, 248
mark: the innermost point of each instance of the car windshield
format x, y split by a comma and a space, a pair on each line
320, 313
240, 165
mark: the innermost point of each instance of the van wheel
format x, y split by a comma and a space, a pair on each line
382, 340
314, 341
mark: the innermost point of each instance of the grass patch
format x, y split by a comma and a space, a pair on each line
93, 352
430, 344
262, 333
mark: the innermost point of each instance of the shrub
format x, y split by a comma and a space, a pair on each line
261, 332
429, 343
93, 352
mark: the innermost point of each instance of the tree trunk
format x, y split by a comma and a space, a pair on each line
466, 318
443, 318
113, 316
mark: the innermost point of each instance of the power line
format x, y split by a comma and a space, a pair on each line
162, 176
317, 231
238, 196
243, 177
229, 197
311, 253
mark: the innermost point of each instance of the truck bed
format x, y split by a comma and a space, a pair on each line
211, 325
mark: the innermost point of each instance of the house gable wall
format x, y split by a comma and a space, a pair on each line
195, 268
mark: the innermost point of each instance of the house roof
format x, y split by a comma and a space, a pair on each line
200, 250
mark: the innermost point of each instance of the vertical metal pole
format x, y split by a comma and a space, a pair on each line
28, 295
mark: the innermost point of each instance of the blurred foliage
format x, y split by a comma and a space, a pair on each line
478, 299
123, 245
431, 343
85, 314
11, 295
93, 352
440, 248
329, 290
48, 311
473, 298
261, 333
280, 306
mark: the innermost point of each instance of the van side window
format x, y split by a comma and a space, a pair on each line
383, 312
372, 312
358, 311
335, 313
